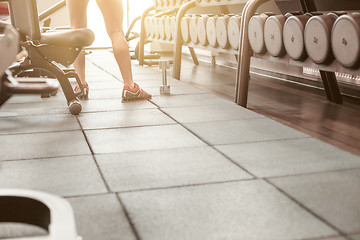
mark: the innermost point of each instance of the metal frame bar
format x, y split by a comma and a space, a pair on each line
245, 53
143, 35
179, 40
50, 11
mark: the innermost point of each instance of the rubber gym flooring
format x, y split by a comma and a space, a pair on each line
191, 165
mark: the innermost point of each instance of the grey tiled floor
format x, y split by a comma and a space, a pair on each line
186, 166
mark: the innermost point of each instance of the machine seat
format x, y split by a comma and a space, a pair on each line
76, 37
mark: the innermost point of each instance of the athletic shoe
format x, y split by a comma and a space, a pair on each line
82, 95
135, 94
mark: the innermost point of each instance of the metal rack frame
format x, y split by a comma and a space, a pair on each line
178, 41
327, 72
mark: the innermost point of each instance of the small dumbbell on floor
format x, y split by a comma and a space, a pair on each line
164, 65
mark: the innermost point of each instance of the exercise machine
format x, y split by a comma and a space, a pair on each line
49, 212
49, 50
9, 43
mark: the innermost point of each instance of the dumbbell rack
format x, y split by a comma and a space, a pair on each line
245, 53
164, 7
178, 40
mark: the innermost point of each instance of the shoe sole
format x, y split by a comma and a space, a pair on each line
135, 100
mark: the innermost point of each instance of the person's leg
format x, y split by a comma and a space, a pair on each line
78, 19
112, 11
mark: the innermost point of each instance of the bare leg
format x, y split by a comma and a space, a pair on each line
112, 11
78, 19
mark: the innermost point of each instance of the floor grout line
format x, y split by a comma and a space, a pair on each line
93, 156
127, 215
187, 185
203, 140
339, 231
165, 188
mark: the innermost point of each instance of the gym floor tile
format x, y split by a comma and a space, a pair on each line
356, 237
240, 210
34, 108
189, 100
174, 90
102, 105
130, 118
155, 81
16, 230
166, 168
241, 131
43, 145
41, 123
101, 217
185, 89
67, 176
106, 85
148, 76
59, 98
335, 196
334, 238
101, 80
141, 139
277, 158
210, 113
105, 93
143, 70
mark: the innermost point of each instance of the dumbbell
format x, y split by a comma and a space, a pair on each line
185, 28
165, 3
167, 27
345, 40
221, 31
201, 29
157, 27
211, 30
317, 38
193, 29
159, 3
293, 36
172, 2
273, 35
161, 28
164, 65
233, 30
256, 33
155, 3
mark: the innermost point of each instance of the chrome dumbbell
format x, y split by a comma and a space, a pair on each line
201, 29
185, 28
164, 65
317, 37
256, 33
273, 35
233, 30
193, 29
293, 37
211, 30
221, 31
345, 40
